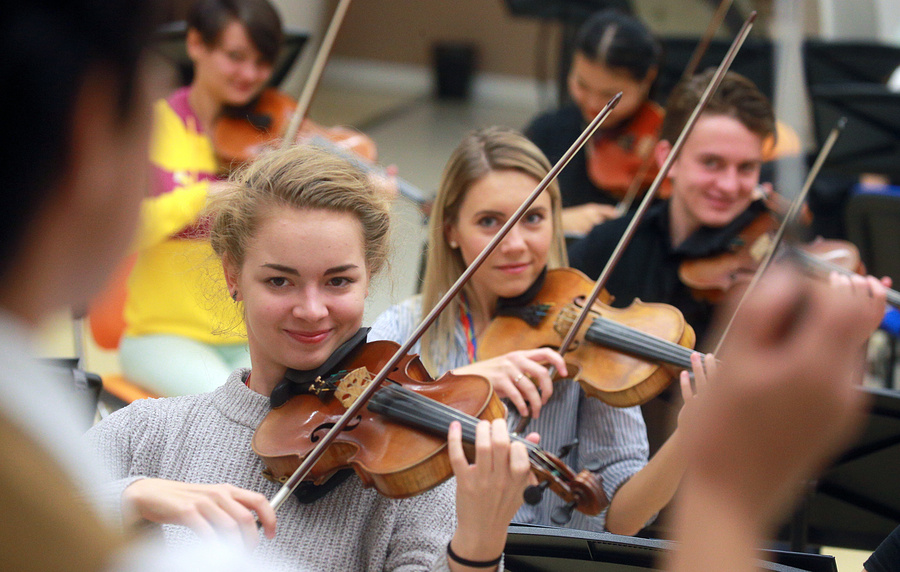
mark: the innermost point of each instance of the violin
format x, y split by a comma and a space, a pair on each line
616, 157
240, 135
623, 356
397, 443
713, 277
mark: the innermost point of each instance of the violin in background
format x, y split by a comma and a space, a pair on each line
239, 135
623, 155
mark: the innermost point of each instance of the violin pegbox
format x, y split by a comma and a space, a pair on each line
352, 386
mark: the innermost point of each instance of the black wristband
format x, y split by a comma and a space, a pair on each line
472, 563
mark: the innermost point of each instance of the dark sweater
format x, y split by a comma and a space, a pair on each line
649, 266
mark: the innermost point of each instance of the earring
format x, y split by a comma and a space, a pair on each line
454, 245
234, 296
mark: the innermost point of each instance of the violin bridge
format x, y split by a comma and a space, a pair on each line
352, 385
761, 247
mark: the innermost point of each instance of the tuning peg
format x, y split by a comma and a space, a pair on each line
594, 465
534, 493
563, 514
566, 449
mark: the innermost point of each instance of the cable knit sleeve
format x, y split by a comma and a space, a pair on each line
111, 441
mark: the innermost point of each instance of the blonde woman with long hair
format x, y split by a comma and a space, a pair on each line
486, 179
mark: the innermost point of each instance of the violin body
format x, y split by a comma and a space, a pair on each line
615, 158
241, 137
713, 278
611, 375
398, 461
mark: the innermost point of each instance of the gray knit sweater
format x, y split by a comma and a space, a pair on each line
206, 439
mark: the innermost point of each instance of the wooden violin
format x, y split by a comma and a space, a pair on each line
240, 135
615, 158
713, 277
622, 356
397, 442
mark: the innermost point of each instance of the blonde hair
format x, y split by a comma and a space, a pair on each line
480, 153
301, 177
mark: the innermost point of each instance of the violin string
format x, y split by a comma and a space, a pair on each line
436, 416
637, 342
608, 332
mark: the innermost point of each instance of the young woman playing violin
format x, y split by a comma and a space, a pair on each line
186, 463
172, 343
613, 53
486, 179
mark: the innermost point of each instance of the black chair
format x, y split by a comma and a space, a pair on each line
829, 62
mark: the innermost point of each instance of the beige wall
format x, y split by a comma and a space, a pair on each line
403, 31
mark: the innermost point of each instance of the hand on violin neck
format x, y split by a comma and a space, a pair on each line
867, 291
521, 376
694, 383
488, 491
220, 511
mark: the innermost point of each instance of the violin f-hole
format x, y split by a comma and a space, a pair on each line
325, 427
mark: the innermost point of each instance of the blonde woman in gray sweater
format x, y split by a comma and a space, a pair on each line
300, 234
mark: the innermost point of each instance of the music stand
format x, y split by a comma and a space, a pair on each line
755, 61
829, 62
170, 43
871, 141
856, 503
546, 549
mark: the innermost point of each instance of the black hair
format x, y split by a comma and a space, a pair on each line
259, 18
619, 41
49, 47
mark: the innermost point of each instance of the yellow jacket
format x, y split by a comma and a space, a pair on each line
177, 286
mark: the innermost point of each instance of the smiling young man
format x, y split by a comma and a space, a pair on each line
714, 196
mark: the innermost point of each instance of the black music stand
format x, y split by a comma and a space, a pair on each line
548, 549
856, 503
829, 62
755, 61
170, 43
871, 141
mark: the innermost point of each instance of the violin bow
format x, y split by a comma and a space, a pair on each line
789, 219
310, 460
657, 182
315, 74
711, 28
